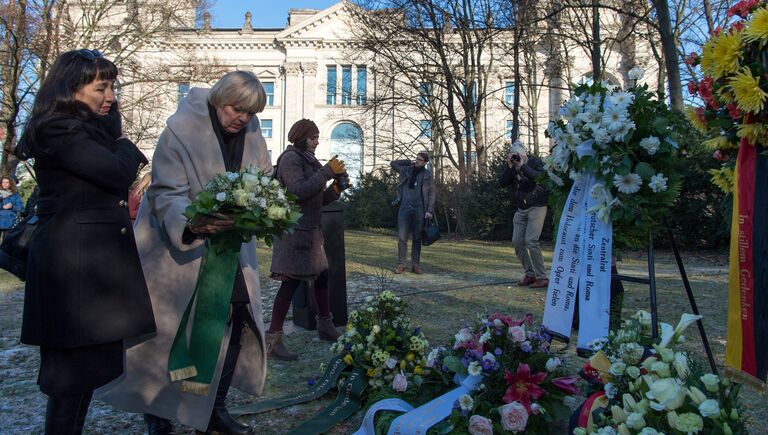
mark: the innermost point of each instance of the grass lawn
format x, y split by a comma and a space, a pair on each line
462, 278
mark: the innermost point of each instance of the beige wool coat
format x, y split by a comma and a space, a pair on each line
187, 157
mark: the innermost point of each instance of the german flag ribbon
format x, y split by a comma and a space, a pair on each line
745, 357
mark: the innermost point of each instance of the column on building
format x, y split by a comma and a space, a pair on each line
292, 112
309, 88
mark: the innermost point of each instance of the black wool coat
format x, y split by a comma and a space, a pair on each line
85, 285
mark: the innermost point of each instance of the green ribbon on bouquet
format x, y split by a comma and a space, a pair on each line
193, 361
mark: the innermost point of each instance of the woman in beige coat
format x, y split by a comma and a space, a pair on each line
211, 132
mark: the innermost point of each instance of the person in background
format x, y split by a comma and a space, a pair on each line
10, 206
134, 198
213, 131
86, 298
416, 199
530, 198
300, 256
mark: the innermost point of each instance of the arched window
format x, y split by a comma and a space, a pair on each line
347, 143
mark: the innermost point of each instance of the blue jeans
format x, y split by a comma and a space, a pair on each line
410, 219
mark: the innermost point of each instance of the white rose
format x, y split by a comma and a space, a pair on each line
553, 364
662, 369
517, 333
709, 408
635, 421
648, 431
250, 180
240, 197
221, 196
231, 176
667, 394
265, 181
618, 368
711, 382
276, 213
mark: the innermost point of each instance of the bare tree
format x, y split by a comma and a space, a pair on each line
434, 59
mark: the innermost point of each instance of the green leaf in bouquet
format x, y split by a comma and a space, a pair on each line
660, 124
645, 170
454, 364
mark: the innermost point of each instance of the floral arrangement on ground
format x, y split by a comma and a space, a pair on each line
626, 140
258, 204
638, 385
734, 87
523, 386
380, 339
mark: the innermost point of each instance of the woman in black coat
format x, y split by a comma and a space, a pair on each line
85, 292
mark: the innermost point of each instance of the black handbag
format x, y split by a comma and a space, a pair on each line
15, 247
430, 232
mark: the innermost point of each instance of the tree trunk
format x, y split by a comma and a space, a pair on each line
596, 70
12, 65
669, 49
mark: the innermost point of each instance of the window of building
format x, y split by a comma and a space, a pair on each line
182, 91
346, 85
266, 128
509, 129
331, 85
509, 93
362, 84
425, 93
269, 89
425, 129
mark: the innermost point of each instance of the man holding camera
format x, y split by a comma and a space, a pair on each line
416, 199
531, 201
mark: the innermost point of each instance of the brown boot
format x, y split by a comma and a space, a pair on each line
417, 269
399, 269
326, 329
276, 349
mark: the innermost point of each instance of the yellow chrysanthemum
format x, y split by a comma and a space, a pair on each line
746, 90
722, 178
757, 27
719, 143
755, 133
726, 55
724, 96
707, 56
694, 119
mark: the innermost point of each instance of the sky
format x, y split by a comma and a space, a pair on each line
265, 13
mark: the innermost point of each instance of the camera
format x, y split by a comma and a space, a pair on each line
343, 181
516, 157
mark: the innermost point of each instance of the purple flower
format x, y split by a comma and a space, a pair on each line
311, 382
526, 346
497, 352
488, 364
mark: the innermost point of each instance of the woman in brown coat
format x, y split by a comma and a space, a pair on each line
300, 256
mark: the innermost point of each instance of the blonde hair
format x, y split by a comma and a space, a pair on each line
239, 88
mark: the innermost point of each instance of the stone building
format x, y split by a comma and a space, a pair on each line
307, 72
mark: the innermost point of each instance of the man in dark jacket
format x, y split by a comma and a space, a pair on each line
416, 195
531, 201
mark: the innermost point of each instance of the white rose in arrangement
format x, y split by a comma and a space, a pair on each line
231, 176
241, 197
553, 364
648, 431
276, 213
650, 144
462, 336
662, 369
709, 408
711, 382
635, 73
689, 423
618, 368
221, 196
265, 181
666, 394
635, 421
250, 181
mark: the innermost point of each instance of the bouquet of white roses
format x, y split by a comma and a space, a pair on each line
625, 140
645, 386
257, 203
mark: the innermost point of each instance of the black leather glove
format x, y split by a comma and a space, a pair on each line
112, 122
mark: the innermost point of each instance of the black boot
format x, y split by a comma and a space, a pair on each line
65, 415
158, 425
